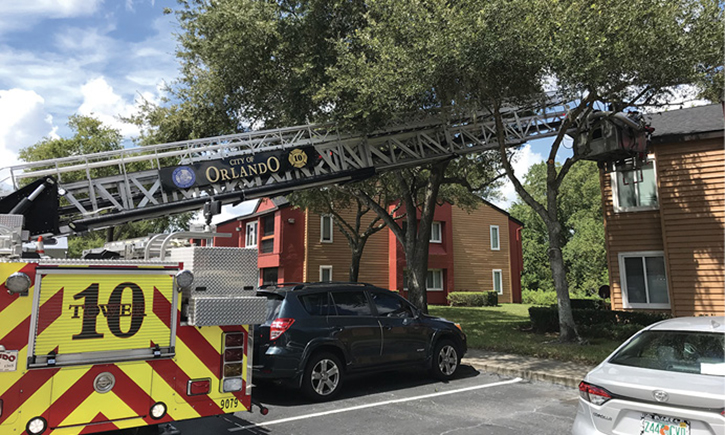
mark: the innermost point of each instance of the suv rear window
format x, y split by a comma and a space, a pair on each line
352, 304
318, 304
674, 351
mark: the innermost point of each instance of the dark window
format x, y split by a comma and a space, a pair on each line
318, 304
686, 352
352, 304
268, 226
269, 276
388, 305
267, 246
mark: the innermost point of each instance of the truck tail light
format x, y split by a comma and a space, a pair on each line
233, 362
197, 387
1, 407
593, 394
278, 327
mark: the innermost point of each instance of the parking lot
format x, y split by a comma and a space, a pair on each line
406, 402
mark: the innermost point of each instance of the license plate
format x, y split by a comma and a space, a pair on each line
8, 360
663, 425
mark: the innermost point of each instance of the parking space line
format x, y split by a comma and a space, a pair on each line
373, 405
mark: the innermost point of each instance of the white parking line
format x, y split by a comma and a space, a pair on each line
373, 405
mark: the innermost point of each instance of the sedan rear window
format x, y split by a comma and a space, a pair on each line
675, 351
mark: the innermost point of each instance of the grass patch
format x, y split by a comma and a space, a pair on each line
506, 328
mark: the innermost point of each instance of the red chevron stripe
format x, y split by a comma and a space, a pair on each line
134, 396
177, 379
6, 298
162, 308
18, 337
61, 408
21, 390
50, 311
203, 350
101, 425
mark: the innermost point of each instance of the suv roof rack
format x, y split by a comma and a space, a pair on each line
304, 285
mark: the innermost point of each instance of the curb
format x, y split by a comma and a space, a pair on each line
570, 381
530, 368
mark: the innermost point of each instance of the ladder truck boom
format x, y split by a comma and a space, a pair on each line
184, 175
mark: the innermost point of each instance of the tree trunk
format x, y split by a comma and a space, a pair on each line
417, 294
357, 252
109, 234
567, 327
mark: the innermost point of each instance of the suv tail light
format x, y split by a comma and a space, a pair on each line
593, 394
279, 326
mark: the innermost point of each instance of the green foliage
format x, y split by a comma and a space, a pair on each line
473, 299
538, 297
506, 328
596, 323
580, 211
91, 136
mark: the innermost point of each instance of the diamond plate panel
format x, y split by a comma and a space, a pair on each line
220, 311
221, 271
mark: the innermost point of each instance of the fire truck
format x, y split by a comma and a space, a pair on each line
97, 344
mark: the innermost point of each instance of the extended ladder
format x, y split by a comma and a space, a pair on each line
123, 194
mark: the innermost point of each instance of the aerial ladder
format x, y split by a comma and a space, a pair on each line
94, 344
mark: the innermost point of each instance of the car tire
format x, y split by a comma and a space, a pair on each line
323, 376
446, 360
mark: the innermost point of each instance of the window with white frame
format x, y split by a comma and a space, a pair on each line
498, 281
634, 188
251, 239
495, 239
434, 280
326, 228
325, 273
436, 232
644, 280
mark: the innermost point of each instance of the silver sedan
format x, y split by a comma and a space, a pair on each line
668, 379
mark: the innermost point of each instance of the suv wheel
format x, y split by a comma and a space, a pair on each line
446, 360
323, 377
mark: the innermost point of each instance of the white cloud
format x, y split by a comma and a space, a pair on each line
524, 159
23, 122
24, 14
101, 102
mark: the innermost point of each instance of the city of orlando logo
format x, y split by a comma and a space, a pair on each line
297, 158
183, 177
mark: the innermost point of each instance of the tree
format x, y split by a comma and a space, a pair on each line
337, 200
361, 63
580, 210
91, 136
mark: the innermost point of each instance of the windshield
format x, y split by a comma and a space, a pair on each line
675, 351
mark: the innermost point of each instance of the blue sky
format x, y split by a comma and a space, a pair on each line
93, 57
62, 57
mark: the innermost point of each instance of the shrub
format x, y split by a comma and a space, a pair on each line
538, 297
473, 299
595, 323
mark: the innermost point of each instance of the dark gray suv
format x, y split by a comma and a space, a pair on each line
317, 333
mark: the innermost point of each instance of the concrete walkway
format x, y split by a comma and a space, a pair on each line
535, 369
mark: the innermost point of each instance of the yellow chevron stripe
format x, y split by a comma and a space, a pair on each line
178, 408
109, 404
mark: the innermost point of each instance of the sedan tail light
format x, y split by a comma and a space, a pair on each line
593, 394
278, 327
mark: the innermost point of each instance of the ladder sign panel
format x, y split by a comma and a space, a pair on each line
103, 311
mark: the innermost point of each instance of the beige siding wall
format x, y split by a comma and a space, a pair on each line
374, 263
691, 184
474, 261
688, 227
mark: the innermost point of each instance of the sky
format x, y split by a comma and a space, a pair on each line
99, 58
